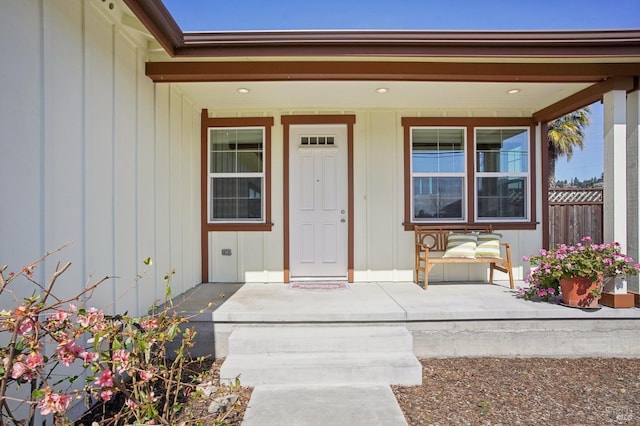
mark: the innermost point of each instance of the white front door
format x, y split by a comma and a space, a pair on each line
318, 201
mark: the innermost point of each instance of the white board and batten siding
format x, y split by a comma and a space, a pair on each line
93, 153
383, 250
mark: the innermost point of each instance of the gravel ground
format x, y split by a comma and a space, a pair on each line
524, 391
511, 391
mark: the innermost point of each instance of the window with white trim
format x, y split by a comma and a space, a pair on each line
438, 174
236, 174
467, 172
502, 173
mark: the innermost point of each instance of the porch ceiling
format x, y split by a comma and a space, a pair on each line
438, 98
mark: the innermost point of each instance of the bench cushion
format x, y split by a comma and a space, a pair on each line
461, 245
488, 245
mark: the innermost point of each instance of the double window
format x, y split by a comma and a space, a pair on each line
467, 172
238, 174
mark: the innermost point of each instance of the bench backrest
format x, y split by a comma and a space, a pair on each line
435, 236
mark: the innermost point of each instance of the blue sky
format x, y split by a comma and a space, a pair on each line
219, 15
212, 15
589, 162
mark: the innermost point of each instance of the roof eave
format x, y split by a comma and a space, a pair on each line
598, 43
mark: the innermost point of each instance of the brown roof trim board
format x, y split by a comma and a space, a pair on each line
516, 44
610, 43
398, 71
583, 98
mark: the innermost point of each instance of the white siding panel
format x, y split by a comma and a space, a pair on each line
361, 155
86, 156
162, 187
175, 186
273, 242
63, 139
125, 133
382, 185
224, 268
145, 184
187, 200
99, 193
250, 254
21, 143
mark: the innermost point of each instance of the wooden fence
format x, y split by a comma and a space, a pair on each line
575, 213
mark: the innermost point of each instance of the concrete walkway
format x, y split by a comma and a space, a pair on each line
315, 405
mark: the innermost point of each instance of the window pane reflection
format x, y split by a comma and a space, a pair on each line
437, 197
501, 197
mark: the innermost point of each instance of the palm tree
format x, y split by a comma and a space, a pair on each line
564, 134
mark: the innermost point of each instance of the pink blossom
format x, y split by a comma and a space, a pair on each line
60, 315
68, 352
88, 357
18, 370
53, 402
105, 380
34, 360
25, 327
551, 290
146, 374
106, 395
73, 308
92, 318
525, 258
121, 360
149, 324
129, 403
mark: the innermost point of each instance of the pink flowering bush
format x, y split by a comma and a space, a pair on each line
595, 261
118, 355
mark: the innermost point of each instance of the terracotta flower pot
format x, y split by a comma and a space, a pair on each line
579, 292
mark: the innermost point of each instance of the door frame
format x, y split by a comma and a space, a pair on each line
287, 121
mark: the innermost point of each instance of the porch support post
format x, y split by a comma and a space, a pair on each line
615, 167
633, 182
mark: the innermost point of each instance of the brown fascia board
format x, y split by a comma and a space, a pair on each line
583, 98
602, 43
610, 43
392, 71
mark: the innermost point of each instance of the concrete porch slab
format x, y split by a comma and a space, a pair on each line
394, 302
257, 302
448, 319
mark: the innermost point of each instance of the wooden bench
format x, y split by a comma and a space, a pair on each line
433, 239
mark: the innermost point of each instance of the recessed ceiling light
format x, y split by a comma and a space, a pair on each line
243, 90
382, 90
513, 91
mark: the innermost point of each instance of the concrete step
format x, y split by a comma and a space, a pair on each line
321, 368
296, 339
313, 405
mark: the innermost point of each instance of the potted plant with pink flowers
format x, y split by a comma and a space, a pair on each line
576, 272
